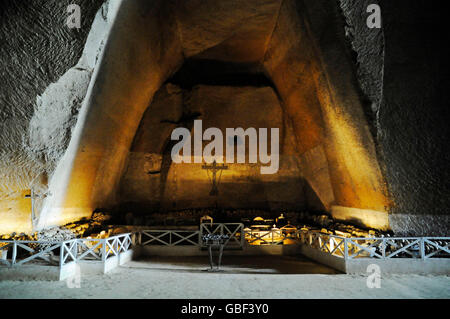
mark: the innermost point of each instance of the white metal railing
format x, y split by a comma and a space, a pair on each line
378, 247
168, 237
18, 252
24, 251
270, 237
101, 249
234, 231
192, 237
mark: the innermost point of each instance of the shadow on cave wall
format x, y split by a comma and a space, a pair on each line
186, 121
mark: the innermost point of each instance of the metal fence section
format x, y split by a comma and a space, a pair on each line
68, 252
16, 253
168, 237
24, 251
376, 247
271, 237
333, 245
234, 231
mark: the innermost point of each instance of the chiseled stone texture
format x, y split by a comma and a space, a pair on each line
231, 30
414, 127
407, 97
420, 225
368, 47
55, 115
37, 49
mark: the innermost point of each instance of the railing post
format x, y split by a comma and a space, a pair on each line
345, 248
75, 246
242, 235
103, 249
422, 248
200, 235
14, 254
115, 245
61, 254
383, 248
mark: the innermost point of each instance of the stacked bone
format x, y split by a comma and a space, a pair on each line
21, 236
90, 227
95, 227
53, 235
326, 225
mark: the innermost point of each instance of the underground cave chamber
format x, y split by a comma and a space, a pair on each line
164, 66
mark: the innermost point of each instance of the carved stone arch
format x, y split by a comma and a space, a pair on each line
301, 46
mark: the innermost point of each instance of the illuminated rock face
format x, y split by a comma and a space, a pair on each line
148, 42
92, 154
152, 181
33, 55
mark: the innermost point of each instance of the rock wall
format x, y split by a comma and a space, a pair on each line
403, 71
142, 49
404, 102
37, 49
311, 67
152, 182
413, 117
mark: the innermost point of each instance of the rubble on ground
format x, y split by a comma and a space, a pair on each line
94, 227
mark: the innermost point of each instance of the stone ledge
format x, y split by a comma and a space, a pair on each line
361, 217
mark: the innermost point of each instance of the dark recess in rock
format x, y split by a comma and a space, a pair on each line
212, 72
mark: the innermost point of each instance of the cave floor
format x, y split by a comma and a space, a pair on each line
243, 277
237, 265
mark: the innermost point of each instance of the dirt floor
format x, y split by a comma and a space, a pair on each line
242, 277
